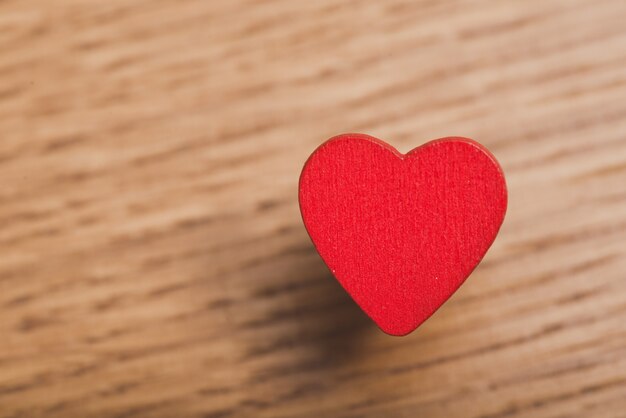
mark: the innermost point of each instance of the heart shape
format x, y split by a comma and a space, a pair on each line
401, 232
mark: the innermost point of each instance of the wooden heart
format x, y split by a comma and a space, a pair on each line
401, 232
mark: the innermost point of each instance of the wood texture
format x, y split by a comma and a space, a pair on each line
153, 260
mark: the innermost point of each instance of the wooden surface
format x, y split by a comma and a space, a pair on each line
153, 260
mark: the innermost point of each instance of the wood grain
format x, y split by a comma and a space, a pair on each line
153, 260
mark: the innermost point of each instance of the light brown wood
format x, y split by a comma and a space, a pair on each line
153, 261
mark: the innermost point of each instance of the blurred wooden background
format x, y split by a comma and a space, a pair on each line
152, 258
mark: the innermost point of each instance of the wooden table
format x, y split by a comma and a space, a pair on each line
153, 261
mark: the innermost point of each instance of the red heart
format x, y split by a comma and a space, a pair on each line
401, 232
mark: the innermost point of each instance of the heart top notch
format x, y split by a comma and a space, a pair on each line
401, 232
